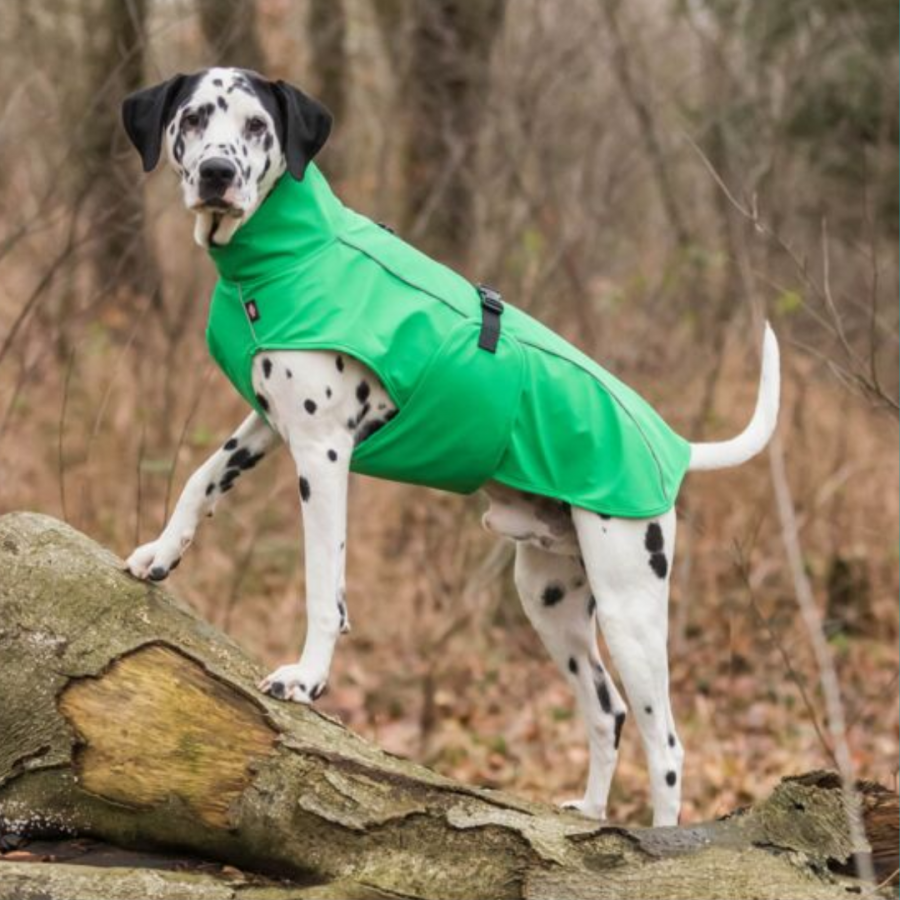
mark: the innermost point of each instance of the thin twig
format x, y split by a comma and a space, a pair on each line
195, 405
61, 462
140, 493
744, 570
870, 386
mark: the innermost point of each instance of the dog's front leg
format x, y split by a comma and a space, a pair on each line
242, 451
323, 468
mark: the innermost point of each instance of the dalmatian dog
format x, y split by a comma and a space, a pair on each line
227, 134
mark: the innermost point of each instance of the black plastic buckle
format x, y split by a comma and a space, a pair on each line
491, 310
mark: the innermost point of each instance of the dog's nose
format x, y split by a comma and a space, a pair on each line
216, 175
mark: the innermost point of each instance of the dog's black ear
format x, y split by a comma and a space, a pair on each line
146, 113
306, 124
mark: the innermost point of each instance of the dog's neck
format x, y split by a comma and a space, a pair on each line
294, 221
212, 229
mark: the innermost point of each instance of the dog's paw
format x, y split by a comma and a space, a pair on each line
293, 683
154, 561
586, 808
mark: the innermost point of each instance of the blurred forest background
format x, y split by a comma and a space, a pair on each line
647, 177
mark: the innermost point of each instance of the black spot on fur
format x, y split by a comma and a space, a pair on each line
573, 665
553, 594
310, 406
332, 455
263, 403
289, 373
653, 539
659, 564
227, 479
304, 490
239, 457
222, 103
210, 488
620, 721
671, 740
591, 605
230, 444
217, 82
671, 778
362, 391
267, 143
648, 710
267, 366
339, 362
604, 516
603, 695
244, 459
328, 392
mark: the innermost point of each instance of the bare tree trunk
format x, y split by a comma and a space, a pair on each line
327, 33
124, 262
445, 79
126, 718
230, 30
621, 64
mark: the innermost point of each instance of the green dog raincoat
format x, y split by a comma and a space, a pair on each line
536, 414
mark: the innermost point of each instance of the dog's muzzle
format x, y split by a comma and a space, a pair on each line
216, 176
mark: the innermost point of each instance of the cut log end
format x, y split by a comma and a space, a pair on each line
156, 724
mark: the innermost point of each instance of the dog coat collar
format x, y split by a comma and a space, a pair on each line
305, 272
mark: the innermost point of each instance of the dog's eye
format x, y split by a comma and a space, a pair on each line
190, 120
256, 125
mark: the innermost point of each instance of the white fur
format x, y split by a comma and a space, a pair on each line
564, 556
724, 454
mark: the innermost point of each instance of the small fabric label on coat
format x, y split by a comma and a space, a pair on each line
252, 310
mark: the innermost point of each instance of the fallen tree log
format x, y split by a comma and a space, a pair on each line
125, 717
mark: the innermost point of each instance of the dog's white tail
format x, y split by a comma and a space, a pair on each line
724, 454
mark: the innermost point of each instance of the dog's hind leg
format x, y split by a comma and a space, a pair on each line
557, 600
628, 563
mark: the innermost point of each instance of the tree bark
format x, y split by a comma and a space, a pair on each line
621, 65
122, 255
442, 50
127, 718
327, 29
231, 33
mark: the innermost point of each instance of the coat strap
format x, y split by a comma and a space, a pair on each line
491, 310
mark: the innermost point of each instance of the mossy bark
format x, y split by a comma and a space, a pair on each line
127, 718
